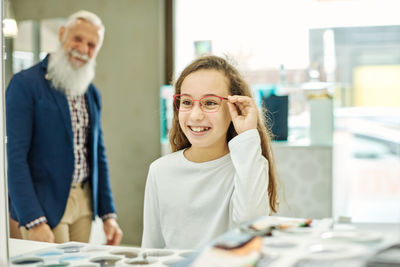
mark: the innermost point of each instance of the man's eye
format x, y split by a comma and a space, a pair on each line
77, 39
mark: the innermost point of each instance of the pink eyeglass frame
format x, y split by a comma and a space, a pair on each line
201, 107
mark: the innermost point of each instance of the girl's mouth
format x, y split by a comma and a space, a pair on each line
199, 129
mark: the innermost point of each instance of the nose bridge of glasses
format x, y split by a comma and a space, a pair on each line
199, 106
196, 112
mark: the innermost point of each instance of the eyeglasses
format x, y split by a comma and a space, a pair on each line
208, 104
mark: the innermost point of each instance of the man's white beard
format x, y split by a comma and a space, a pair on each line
72, 81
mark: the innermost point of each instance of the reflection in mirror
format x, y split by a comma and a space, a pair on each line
124, 75
54, 133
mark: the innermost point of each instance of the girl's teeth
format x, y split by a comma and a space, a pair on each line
198, 129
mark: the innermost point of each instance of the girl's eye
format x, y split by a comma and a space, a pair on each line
210, 103
186, 102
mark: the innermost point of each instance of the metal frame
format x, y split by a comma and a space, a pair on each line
4, 227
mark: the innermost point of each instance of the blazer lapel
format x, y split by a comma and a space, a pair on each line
63, 106
91, 108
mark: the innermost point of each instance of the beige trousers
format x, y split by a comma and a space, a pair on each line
76, 223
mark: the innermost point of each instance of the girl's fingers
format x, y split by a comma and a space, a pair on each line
238, 108
244, 100
243, 111
244, 103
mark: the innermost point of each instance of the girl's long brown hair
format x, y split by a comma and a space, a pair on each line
237, 86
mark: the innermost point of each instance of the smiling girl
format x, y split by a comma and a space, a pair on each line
221, 171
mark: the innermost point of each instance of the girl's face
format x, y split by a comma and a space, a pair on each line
205, 129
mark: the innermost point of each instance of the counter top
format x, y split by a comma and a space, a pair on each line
354, 243
20, 246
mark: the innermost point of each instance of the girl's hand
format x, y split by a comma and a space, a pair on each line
244, 113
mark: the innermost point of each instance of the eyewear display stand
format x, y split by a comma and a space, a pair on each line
31, 253
267, 241
280, 242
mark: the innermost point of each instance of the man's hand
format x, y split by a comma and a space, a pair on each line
42, 232
112, 231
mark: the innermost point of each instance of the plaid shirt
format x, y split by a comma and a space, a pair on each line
80, 125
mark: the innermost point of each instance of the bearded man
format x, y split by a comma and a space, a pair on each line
57, 168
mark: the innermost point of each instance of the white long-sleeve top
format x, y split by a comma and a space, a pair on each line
187, 204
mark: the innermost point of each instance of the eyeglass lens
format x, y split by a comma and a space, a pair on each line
207, 104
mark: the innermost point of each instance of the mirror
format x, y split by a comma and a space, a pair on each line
129, 73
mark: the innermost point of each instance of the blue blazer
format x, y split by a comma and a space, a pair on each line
40, 150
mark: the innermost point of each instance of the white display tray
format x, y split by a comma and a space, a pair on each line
76, 254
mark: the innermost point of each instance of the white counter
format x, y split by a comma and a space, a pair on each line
376, 236
20, 246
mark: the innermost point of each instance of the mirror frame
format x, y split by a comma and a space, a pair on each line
4, 245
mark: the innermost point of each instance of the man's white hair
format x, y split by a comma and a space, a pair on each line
89, 17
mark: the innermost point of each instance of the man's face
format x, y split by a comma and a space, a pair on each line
80, 42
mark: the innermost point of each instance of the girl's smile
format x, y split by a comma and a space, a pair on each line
198, 130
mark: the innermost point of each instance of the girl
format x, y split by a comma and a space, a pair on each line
221, 173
